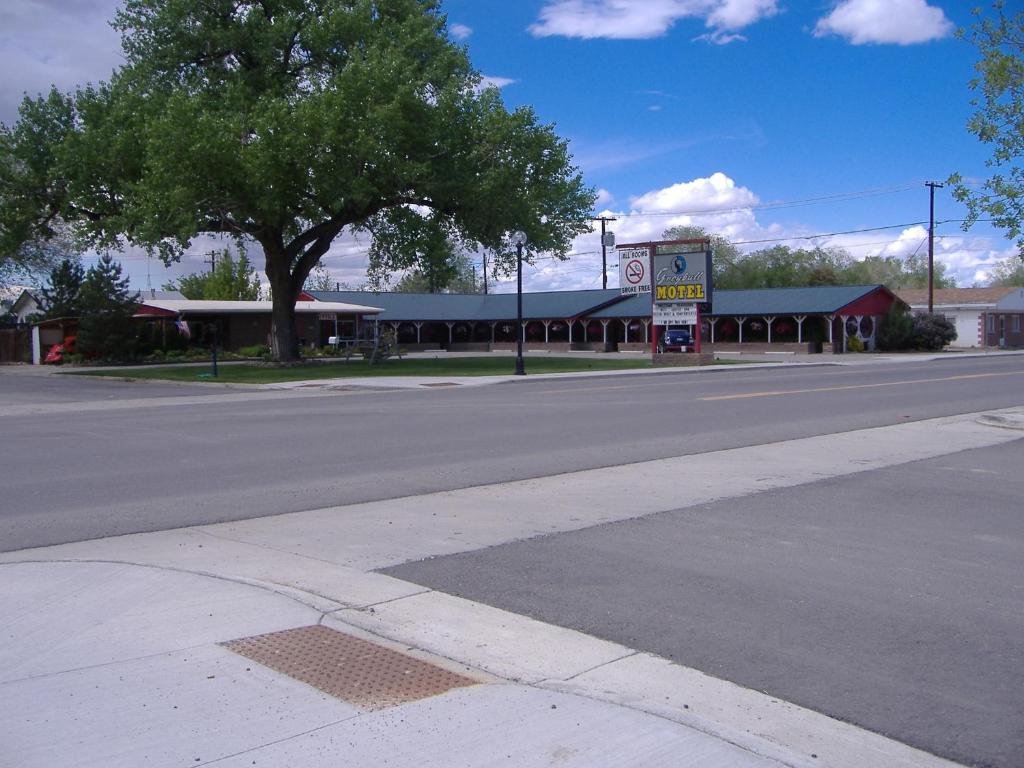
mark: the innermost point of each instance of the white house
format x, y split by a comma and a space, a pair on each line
969, 309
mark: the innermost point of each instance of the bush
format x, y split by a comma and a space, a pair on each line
933, 332
854, 344
895, 330
256, 350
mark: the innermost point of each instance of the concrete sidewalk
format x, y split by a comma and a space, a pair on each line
115, 654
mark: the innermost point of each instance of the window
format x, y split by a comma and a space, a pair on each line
1016, 323
991, 323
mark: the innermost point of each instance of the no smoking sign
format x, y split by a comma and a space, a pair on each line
635, 271
634, 275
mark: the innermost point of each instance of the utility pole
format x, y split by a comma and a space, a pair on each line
604, 248
212, 261
931, 242
484, 255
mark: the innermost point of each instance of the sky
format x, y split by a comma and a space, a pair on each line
801, 122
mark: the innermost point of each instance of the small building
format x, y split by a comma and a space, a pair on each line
983, 317
248, 323
27, 304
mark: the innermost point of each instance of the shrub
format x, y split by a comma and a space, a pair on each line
933, 332
854, 344
256, 350
895, 330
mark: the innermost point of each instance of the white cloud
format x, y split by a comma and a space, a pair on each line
74, 46
487, 81
460, 31
903, 22
604, 197
721, 38
643, 19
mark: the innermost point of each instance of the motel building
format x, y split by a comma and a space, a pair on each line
817, 319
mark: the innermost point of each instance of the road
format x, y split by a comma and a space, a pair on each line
892, 599
85, 460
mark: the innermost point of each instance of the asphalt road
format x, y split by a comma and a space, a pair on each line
893, 599
91, 459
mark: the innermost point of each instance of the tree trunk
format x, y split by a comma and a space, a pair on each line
284, 339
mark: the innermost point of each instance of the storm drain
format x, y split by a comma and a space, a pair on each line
351, 669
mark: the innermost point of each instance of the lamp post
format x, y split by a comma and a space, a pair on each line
519, 240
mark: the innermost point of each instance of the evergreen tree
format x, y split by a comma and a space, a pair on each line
62, 297
106, 329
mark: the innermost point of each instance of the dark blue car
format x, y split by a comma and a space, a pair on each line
676, 339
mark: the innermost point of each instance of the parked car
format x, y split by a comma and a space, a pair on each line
676, 340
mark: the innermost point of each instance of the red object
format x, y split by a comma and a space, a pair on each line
56, 355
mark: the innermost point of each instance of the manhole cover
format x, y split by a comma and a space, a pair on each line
354, 670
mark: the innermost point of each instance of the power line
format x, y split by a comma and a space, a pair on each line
839, 197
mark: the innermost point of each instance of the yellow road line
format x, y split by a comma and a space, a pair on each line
778, 393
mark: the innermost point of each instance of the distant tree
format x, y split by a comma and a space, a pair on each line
783, 267
933, 332
319, 279
462, 278
1000, 101
1007, 273
106, 329
61, 297
724, 254
229, 280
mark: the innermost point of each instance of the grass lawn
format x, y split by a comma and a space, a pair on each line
243, 373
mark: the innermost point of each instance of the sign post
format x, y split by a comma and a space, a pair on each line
677, 273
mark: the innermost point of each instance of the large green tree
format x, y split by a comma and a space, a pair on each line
999, 121
230, 280
284, 122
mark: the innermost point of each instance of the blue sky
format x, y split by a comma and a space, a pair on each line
729, 114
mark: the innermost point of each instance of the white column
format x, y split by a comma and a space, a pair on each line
37, 351
741, 321
547, 327
711, 322
647, 329
625, 331
800, 328
450, 326
570, 323
769, 320
831, 321
604, 332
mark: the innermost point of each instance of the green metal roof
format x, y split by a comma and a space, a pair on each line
599, 304
817, 300
450, 307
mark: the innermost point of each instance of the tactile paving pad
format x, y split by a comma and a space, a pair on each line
353, 670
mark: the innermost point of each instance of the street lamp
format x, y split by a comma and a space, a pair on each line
519, 240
